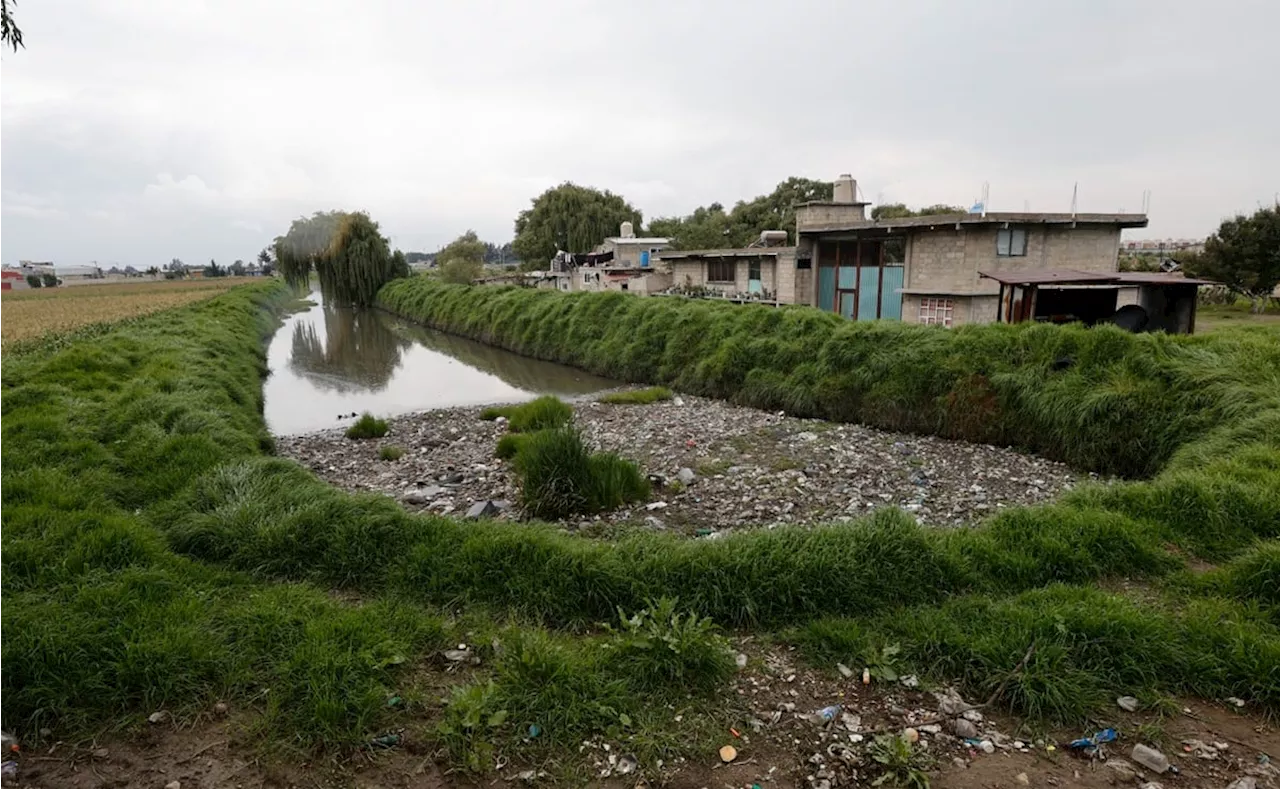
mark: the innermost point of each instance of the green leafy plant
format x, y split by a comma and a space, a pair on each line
661, 646
367, 426
883, 662
903, 764
391, 452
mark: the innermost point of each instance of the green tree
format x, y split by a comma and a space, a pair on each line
711, 227
10, 35
49, 280
571, 218
34, 281
900, 210
214, 270
463, 259
346, 250
237, 269
1244, 255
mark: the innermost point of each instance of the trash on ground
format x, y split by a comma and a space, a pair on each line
1127, 703
728, 753
389, 740
1089, 745
844, 670
1150, 758
9, 770
158, 717
1235, 701
534, 731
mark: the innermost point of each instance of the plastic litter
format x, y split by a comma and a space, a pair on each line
827, 714
728, 753
866, 676
390, 740
844, 670
1089, 745
1127, 703
1150, 758
1235, 702
534, 731
9, 770
10, 742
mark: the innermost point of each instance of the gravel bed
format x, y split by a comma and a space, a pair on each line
747, 467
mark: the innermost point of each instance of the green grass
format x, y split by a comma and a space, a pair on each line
545, 413
367, 426
155, 555
646, 396
559, 476
509, 445
390, 452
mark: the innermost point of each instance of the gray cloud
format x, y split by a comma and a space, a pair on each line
139, 130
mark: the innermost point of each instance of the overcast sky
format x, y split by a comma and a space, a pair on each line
135, 131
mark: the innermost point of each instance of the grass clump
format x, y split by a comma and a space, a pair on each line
559, 477
390, 452
545, 413
646, 396
367, 426
617, 685
509, 445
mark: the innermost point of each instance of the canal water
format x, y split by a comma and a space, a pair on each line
329, 362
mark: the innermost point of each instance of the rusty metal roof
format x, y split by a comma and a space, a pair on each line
1068, 276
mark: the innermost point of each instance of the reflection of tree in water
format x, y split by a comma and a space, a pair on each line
359, 352
521, 372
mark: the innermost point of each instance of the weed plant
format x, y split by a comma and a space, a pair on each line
544, 413
367, 426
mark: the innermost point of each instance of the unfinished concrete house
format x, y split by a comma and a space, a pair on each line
764, 272
952, 269
624, 263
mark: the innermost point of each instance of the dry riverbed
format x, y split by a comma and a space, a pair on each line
747, 467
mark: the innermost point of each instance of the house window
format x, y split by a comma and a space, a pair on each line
586, 277
1011, 242
936, 312
720, 270
753, 269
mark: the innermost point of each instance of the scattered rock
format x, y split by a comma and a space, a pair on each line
173, 785
911, 735
1123, 770
745, 467
741, 660
1127, 703
1248, 782
1024, 779
101, 753
964, 729
483, 509
1235, 702
220, 708
910, 681
157, 718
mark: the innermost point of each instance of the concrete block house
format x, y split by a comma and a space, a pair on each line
947, 269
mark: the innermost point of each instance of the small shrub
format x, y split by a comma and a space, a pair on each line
903, 764
509, 445
660, 647
391, 452
367, 426
615, 482
544, 413
638, 396
555, 473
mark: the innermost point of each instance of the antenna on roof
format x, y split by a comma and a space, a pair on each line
1075, 193
986, 196
1146, 200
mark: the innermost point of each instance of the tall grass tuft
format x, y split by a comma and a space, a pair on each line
367, 426
645, 396
544, 413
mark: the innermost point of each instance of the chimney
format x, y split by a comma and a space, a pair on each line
627, 230
845, 190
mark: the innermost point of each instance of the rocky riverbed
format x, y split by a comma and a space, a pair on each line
721, 467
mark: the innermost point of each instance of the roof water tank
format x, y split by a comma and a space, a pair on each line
627, 230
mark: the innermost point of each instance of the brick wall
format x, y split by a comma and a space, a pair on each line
809, 215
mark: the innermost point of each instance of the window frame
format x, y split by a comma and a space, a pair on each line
1011, 233
719, 266
936, 311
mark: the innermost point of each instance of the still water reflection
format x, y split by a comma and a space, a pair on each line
328, 361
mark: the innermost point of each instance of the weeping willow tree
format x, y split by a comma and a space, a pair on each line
346, 251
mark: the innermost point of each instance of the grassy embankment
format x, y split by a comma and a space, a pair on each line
142, 520
1199, 417
111, 442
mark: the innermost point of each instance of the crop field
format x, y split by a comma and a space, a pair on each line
34, 313
157, 556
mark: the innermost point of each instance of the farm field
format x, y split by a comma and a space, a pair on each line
162, 562
28, 314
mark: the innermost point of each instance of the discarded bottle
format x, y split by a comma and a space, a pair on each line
866, 676
386, 741
1150, 758
828, 714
